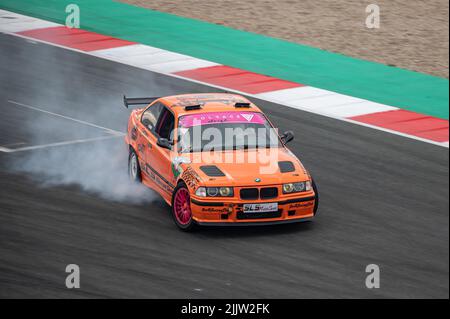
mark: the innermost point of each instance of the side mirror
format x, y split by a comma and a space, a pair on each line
164, 143
287, 136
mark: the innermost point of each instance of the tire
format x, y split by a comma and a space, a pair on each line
134, 170
181, 208
316, 203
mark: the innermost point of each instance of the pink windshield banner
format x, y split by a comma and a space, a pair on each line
222, 117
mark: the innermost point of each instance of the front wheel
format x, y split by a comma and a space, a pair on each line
316, 203
181, 208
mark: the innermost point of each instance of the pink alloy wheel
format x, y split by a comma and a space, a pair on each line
182, 206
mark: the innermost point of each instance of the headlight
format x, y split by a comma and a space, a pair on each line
226, 191
297, 187
214, 192
308, 186
288, 188
201, 192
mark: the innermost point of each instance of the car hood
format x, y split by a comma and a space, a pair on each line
248, 167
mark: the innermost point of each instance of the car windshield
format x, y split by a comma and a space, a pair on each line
220, 131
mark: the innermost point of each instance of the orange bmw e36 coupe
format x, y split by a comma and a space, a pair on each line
216, 159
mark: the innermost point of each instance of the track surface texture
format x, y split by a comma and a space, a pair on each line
384, 200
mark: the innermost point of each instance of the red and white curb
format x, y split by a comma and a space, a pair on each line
295, 95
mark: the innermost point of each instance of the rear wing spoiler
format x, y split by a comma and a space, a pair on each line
127, 101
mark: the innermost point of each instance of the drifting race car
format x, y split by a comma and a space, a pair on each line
217, 160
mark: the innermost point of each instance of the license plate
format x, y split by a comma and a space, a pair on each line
260, 208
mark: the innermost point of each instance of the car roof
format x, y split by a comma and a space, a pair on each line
210, 102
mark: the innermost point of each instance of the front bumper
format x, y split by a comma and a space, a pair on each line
257, 223
230, 212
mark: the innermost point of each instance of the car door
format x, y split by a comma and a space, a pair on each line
160, 158
146, 138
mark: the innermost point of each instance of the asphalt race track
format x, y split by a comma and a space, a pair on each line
384, 200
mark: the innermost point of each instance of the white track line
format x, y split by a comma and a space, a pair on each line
113, 133
5, 150
150, 57
67, 117
13, 22
35, 147
13, 144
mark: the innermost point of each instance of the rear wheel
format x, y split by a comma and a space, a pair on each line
181, 208
134, 170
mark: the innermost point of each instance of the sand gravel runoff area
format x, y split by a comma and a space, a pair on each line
413, 34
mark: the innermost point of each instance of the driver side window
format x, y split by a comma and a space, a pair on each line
151, 115
165, 125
